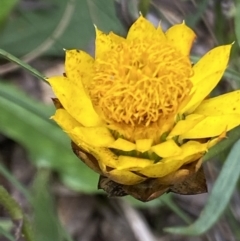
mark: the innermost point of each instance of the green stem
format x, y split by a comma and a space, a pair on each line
19, 62
16, 213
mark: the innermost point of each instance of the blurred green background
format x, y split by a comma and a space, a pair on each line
37, 166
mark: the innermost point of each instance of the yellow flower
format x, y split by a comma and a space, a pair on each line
137, 113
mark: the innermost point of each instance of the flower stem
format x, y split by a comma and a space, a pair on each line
16, 213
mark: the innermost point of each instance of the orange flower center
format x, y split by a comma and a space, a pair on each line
140, 83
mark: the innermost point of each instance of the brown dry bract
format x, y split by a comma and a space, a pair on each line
188, 180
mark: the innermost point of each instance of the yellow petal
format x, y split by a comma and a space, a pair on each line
181, 37
107, 158
213, 61
65, 120
160, 35
125, 163
96, 136
116, 38
133, 163
122, 144
143, 29
75, 100
207, 73
214, 141
221, 105
193, 147
191, 151
212, 126
183, 126
167, 149
104, 156
161, 169
106, 42
124, 177
78, 66
143, 145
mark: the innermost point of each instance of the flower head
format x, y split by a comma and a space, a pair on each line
137, 113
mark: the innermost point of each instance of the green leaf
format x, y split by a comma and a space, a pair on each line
219, 197
61, 24
6, 234
6, 8
33, 28
19, 62
237, 21
144, 6
103, 15
193, 19
16, 213
4, 172
45, 222
27, 122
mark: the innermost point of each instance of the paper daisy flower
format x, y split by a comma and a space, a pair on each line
138, 113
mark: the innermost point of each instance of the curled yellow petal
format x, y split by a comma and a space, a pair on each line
181, 37
75, 100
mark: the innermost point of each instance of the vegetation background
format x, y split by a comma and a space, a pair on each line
55, 191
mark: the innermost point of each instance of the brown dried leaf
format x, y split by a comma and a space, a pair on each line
112, 188
195, 184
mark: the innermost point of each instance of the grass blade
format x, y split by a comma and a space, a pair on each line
219, 197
